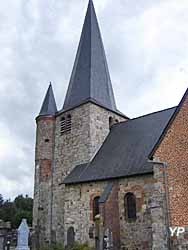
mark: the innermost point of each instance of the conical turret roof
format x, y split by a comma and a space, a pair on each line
49, 105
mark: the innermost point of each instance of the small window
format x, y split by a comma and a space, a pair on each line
110, 122
96, 207
130, 206
47, 140
116, 120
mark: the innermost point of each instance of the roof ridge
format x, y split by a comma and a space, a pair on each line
89, 9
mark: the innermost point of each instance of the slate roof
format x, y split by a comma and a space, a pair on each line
125, 150
106, 192
90, 79
49, 105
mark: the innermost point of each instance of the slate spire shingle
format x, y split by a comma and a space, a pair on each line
49, 105
90, 79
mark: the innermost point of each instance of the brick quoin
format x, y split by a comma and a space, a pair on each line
173, 150
111, 215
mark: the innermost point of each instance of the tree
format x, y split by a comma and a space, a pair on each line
24, 203
7, 211
15, 211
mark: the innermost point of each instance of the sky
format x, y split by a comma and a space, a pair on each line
146, 44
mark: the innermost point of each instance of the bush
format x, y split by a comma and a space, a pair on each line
57, 246
78, 246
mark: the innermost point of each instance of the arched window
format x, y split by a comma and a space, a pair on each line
130, 206
110, 122
96, 207
70, 236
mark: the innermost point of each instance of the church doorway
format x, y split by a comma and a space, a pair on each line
70, 236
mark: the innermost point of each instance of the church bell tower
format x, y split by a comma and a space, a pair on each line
79, 128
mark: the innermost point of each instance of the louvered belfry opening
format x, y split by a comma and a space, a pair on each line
63, 125
66, 124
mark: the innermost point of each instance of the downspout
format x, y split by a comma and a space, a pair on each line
167, 203
168, 220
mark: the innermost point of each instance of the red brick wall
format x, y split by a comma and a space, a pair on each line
45, 170
174, 150
110, 212
45, 131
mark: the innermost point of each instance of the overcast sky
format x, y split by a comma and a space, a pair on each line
146, 43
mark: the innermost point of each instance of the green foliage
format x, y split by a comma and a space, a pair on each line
23, 203
57, 246
14, 211
7, 211
78, 246
75, 246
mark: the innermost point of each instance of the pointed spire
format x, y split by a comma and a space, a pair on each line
49, 105
90, 79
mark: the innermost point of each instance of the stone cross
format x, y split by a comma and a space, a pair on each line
23, 236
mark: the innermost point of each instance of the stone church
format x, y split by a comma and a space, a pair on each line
101, 177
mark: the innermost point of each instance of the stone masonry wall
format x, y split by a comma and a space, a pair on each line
79, 209
174, 151
90, 126
133, 235
159, 210
42, 188
136, 234
99, 125
180, 242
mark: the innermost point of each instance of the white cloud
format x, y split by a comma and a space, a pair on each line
11, 188
146, 43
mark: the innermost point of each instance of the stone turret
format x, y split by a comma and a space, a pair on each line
43, 166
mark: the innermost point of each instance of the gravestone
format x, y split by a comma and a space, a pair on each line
23, 236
